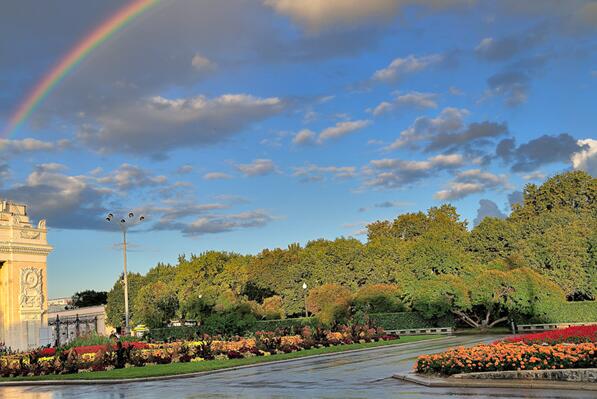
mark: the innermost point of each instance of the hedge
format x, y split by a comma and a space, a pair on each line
179, 332
388, 321
567, 312
271, 325
406, 320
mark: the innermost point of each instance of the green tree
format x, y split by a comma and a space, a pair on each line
330, 303
573, 191
279, 271
273, 307
379, 298
559, 247
492, 240
89, 298
155, 304
115, 307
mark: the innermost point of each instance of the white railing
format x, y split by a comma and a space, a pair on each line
549, 326
424, 331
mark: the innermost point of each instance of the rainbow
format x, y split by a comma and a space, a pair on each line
78, 53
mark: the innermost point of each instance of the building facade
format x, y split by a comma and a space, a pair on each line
23, 281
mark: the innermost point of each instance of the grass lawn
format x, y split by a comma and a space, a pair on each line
209, 365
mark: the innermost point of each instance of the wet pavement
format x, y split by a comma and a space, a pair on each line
351, 375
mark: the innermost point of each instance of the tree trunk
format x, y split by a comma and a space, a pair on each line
466, 318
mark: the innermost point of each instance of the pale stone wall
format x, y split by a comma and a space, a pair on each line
92, 319
23, 281
575, 375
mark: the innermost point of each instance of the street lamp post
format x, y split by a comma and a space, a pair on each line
124, 225
305, 295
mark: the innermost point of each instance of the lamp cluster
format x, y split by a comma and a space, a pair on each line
131, 215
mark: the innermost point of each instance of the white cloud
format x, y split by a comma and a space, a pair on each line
184, 169
411, 99
484, 44
201, 63
313, 172
449, 120
382, 108
158, 124
455, 91
65, 201
303, 137
216, 176
259, 167
223, 223
537, 175
129, 176
317, 15
342, 129
396, 173
586, 159
470, 182
14, 147
404, 66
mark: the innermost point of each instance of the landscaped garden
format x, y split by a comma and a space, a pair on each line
571, 348
123, 359
421, 269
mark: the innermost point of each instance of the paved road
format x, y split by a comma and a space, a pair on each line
357, 375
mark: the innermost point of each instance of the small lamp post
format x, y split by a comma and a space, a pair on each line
124, 224
305, 295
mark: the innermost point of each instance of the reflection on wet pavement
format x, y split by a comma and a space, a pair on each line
352, 375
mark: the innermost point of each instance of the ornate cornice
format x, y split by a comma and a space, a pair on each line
8, 247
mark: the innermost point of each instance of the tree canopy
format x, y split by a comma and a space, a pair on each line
545, 251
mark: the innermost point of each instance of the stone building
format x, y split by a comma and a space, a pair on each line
68, 324
23, 283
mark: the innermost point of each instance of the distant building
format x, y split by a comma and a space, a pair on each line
59, 304
66, 325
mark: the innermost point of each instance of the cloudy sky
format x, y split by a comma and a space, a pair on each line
240, 125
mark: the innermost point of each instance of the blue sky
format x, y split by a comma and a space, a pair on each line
242, 125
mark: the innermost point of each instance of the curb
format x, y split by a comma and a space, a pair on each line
196, 373
434, 382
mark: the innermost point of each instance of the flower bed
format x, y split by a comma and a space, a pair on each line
138, 354
505, 356
577, 334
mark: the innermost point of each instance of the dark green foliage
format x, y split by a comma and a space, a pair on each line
174, 333
564, 312
438, 266
405, 320
89, 298
271, 325
379, 298
235, 322
115, 306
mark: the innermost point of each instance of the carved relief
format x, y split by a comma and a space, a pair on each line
30, 234
31, 288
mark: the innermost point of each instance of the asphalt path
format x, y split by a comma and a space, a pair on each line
365, 374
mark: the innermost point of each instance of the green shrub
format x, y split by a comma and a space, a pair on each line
273, 308
271, 325
565, 312
406, 320
228, 323
330, 303
379, 298
174, 333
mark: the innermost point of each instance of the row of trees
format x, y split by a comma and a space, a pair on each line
545, 251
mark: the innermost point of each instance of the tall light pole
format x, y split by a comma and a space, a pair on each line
305, 295
124, 224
